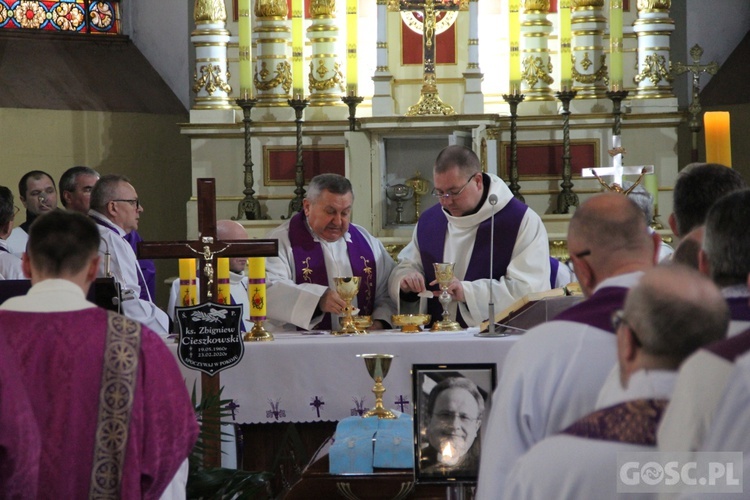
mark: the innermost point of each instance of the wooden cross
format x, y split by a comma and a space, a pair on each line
205, 249
429, 101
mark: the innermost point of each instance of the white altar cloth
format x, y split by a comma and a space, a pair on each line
316, 378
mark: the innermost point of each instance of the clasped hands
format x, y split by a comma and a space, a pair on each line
414, 282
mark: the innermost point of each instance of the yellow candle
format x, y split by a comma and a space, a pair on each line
566, 67
298, 44
615, 44
222, 281
351, 47
515, 48
245, 28
187, 282
718, 138
651, 183
256, 288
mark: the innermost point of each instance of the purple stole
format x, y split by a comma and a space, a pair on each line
632, 422
147, 276
431, 231
739, 310
732, 347
597, 310
138, 272
310, 266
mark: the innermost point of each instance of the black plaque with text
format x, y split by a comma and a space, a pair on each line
210, 337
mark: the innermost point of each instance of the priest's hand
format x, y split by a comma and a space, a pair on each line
331, 302
413, 282
455, 289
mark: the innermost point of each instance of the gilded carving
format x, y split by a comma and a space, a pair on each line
210, 11
650, 5
534, 71
211, 79
537, 5
336, 79
283, 77
601, 73
271, 8
322, 7
587, 3
655, 69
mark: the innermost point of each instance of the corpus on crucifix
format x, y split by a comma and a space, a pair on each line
429, 100
207, 249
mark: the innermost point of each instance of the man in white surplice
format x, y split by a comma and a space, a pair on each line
554, 372
115, 208
317, 245
458, 230
672, 312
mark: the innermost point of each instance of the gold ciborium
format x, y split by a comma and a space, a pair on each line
347, 289
444, 275
421, 187
378, 366
410, 323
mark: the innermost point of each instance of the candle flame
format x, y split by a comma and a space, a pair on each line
447, 450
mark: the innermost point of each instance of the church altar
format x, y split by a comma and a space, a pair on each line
319, 378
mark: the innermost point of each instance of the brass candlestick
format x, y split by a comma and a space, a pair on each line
352, 101
295, 205
444, 275
378, 366
258, 333
514, 100
567, 198
249, 206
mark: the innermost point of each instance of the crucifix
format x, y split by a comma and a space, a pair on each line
429, 100
616, 154
695, 104
206, 249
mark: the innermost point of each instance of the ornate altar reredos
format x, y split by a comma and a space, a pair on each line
380, 99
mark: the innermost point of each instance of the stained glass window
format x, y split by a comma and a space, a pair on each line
81, 16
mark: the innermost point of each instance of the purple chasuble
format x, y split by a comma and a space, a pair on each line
631, 422
310, 266
597, 310
431, 232
61, 357
739, 310
732, 347
147, 276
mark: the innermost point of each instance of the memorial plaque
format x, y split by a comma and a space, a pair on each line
210, 337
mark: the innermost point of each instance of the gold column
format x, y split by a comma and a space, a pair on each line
654, 30
210, 38
590, 72
536, 72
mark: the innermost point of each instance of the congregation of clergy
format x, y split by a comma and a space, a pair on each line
656, 357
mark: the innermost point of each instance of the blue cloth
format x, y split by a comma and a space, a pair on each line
364, 443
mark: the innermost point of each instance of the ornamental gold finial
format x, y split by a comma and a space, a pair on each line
320, 8
210, 11
587, 3
652, 5
271, 8
536, 5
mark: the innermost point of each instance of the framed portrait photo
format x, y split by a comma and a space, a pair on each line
450, 404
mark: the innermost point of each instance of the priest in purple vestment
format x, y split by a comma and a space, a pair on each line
110, 405
458, 230
315, 246
672, 312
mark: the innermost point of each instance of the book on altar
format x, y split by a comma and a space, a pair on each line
533, 309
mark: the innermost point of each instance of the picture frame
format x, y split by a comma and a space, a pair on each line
448, 424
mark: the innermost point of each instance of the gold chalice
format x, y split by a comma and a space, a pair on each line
378, 366
410, 323
362, 322
421, 187
347, 289
444, 275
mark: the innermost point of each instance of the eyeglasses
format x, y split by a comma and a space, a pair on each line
449, 417
618, 319
136, 203
445, 196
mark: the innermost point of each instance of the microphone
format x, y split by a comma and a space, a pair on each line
491, 327
107, 257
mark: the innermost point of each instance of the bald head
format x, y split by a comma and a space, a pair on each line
688, 250
607, 236
673, 311
232, 230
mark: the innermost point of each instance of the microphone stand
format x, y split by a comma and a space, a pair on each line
491, 327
